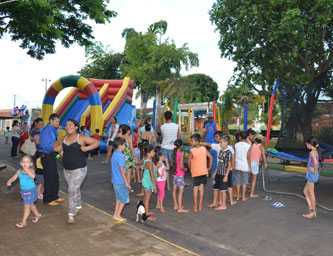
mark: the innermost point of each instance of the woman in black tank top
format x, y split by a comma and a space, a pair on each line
73, 146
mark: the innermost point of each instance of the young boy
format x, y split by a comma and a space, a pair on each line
96, 137
135, 137
120, 184
7, 134
218, 148
197, 164
243, 165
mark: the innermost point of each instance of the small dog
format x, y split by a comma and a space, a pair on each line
141, 212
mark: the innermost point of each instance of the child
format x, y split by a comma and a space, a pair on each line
121, 186
7, 135
243, 165
312, 177
161, 178
135, 137
140, 164
250, 135
257, 151
104, 135
218, 148
197, 163
159, 139
178, 177
96, 137
149, 178
28, 189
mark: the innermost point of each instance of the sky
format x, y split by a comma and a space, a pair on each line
188, 22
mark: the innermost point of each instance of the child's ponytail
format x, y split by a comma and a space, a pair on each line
313, 141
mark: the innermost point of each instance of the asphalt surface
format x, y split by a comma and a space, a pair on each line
247, 228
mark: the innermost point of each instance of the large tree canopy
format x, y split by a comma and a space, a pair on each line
102, 62
279, 39
39, 24
202, 88
150, 59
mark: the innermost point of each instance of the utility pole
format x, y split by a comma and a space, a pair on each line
14, 100
46, 80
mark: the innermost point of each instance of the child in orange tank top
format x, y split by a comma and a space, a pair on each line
197, 163
257, 151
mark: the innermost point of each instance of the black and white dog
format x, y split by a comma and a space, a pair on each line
141, 212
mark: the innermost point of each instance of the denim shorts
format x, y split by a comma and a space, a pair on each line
178, 181
241, 178
148, 190
29, 196
254, 167
121, 192
167, 153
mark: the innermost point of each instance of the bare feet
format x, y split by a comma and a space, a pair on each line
211, 205
195, 209
233, 202
158, 207
254, 195
150, 213
245, 199
151, 218
175, 208
162, 210
220, 208
200, 208
183, 210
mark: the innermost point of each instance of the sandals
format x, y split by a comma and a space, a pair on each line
121, 221
20, 225
71, 219
36, 219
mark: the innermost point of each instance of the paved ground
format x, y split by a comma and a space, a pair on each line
250, 228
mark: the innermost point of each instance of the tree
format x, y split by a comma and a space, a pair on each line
149, 60
202, 88
279, 39
40, 24
103, 63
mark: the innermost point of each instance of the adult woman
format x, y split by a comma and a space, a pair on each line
142, 130
16, 133
74, 146
129, 151
36, 126
147, 136
112, 134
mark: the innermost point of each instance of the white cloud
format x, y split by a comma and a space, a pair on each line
188, 22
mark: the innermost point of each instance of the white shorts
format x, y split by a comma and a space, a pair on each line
254, 167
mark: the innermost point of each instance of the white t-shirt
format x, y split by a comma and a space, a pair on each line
15, 131
217, 148
115, 132
169, 132
241, 149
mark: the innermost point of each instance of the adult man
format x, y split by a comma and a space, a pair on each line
170, 133
210, 129
47, 137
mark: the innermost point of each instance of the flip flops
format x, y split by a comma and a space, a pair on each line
121, 221
266, 198
278, 205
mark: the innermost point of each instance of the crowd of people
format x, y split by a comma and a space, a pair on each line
154, 160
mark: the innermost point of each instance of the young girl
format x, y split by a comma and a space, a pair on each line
257, 151
28, 189
312, 177
161, 178
178, 177
149, 178
7, 135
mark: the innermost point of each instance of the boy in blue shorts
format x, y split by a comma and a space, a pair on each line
120, 184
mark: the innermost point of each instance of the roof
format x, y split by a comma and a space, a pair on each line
6, 114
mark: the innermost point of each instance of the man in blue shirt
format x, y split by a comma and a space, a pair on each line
119, 180
47, 137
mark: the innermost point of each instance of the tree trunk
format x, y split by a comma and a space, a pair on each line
143, 110
158, 109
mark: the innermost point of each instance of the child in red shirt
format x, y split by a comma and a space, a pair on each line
96, 137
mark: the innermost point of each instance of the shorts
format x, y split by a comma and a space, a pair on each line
29, 196
241, 178
110, 143
121, 192
178, 181
220, 185
167, 153
312, 177
254, 167
148, 190
197, 181
39, 179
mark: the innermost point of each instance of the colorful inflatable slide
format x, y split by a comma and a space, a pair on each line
92, 102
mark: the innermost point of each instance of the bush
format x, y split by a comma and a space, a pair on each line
326, 135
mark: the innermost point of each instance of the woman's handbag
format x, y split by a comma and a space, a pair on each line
29, 147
